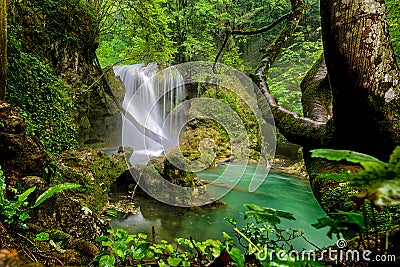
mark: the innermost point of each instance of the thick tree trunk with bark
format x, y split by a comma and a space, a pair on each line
363, 74
3, 49
351, 96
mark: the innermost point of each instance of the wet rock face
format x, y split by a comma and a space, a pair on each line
20, 154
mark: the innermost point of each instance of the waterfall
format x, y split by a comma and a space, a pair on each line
150, 97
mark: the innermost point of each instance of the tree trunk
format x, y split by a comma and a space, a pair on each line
363, 74
351, 96
3, 49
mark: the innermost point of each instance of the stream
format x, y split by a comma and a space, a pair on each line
279, 191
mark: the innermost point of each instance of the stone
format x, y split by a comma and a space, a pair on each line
20, 154
95, 170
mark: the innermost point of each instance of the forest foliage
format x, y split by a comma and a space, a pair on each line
42, 95
169, 32
172, 32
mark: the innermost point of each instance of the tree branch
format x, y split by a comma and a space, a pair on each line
251, 32
263, 29
297, 129
220, 51
316, 93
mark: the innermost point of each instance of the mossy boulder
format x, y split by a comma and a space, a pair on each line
95, 170
205, 143
66, 36
156, 178
230, 138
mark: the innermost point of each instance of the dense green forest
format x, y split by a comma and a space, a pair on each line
332, 89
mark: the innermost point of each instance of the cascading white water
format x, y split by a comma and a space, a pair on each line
149, 99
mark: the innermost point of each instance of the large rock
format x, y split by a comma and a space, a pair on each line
20, 154
95, 170
156, 177
66, 37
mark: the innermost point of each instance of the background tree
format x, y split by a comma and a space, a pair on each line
3, 49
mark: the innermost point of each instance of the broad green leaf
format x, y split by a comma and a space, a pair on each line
107, 243
179, 240
139, 250
43, 236
347, 224
174, 261
348, 155
107, 261
226, 236
354, 218
53, 190
170, 248
23, 216
156, 249
237, 256
121, 253
142, 236
25, 195
101, 238
215, 247
150, 254
269, 215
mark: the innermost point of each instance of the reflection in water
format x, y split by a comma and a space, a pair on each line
279, 191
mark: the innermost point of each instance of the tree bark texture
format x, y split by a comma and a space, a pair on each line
3, 49
363, 74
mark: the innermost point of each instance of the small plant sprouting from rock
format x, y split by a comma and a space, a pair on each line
15, 211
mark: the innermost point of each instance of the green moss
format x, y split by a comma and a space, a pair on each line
34, 87
95, 171
177, 171
339, 198
58, 235
198, 130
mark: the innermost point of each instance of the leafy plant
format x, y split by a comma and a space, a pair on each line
54, 190
266, 238
287, 73
381, 180
118, 242
16, 211
34, 87
347, 225
379, 183
42, 236
134, 249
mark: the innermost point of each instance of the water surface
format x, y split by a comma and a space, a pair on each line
279, 191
